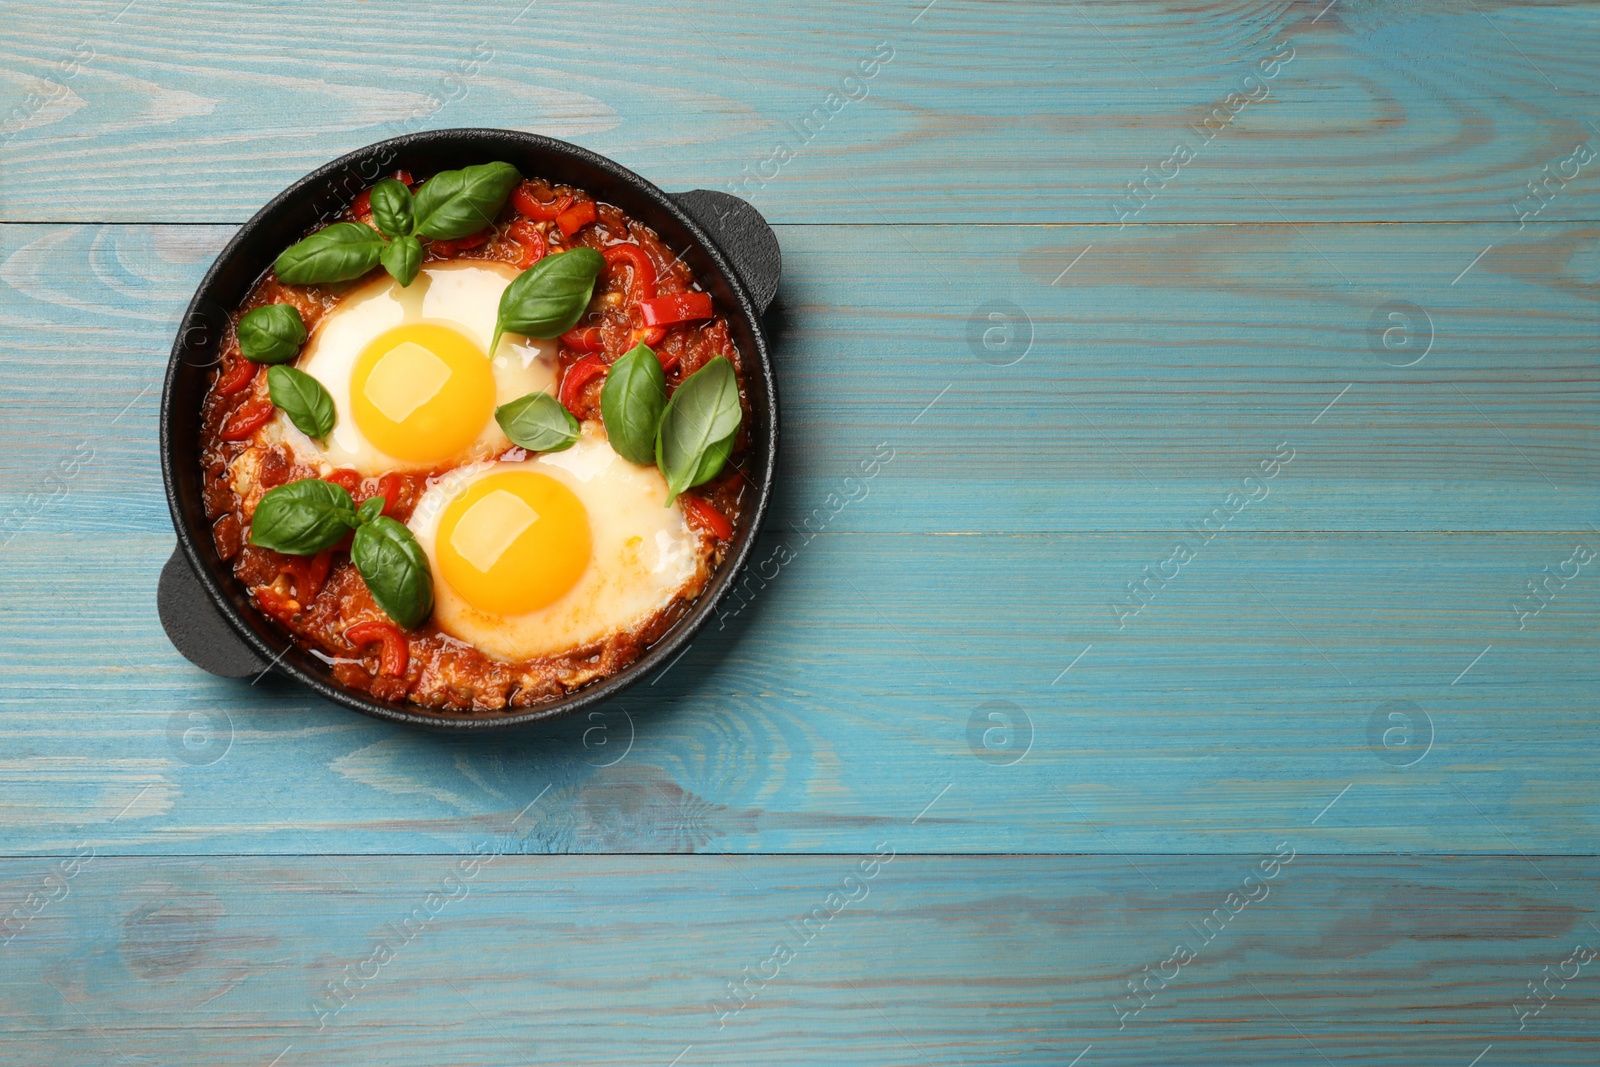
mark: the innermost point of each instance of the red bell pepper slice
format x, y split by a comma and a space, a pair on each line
576, 217
389, 487
531, 239
241, 374
276, 604
448, 249
579, 375
643, 285
396, 655
674, 308
523, 200
705, 514
583, 339
247, 418
652, 335
309, 574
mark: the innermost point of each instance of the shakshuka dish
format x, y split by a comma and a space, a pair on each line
477, 443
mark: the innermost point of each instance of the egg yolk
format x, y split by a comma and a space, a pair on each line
422, 392
514, 542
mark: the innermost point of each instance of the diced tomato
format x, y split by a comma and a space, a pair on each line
396, 655
240, 375
579, 375
703, 513
523, 200
675, 308
247, 418
576, 217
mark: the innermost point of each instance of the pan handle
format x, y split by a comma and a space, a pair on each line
742, 235
196, 628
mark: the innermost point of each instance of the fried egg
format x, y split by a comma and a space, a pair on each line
546, 554
407, 371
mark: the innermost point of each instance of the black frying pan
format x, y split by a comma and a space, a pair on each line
726, 243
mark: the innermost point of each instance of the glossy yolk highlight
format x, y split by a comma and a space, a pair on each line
422, 392
514, 542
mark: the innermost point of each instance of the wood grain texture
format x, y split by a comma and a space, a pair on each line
938, 960
839, 701
842, 701
992, 112
963, 654
1161, 370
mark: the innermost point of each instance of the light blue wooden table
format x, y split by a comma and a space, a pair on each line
1309, 289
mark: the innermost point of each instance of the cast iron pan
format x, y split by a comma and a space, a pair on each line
726, 243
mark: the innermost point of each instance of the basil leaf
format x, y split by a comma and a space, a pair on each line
303, 518
303, 399
458, 203
402, 258
272, 334
369, 510
395, 570
538, 423
711, 463
631, 403
392, 207
698, 427
548, 298
335, 253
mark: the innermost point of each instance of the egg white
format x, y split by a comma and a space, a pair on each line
644, 554
464, 296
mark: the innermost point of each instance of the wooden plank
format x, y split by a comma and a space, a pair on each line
1164, 368
1391, 552
1014, 112
1253, 691
935, 960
